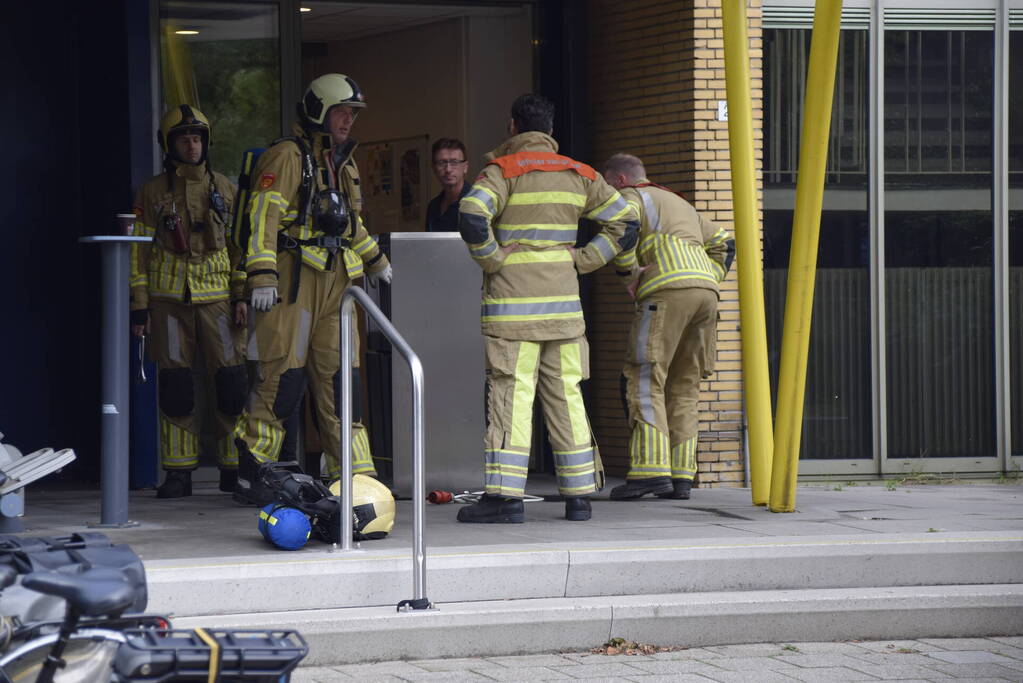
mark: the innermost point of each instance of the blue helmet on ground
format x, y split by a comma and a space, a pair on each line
287, 528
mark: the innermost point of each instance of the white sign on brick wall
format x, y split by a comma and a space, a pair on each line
722, 110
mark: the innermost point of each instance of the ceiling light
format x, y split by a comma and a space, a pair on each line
305, 9
187, 33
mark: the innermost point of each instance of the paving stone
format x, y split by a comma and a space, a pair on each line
692, 653
454, 676
969, 657
361, 671
454, 664
979, 644
830, 674
748, 677
590, 658
897, 659
524, 673
893, 646
318, 674
977, 671
752, 664
610, 670
1007, 650
894, 672
748, 650
820, 661
531, 660
675, 667
681, 678
825, 648
1015, 641
984, 680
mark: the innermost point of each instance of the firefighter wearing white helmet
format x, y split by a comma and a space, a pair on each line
373, 505
307, 244
186, 291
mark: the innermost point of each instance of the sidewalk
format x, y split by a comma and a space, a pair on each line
973, 659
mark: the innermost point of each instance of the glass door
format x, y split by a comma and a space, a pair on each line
1015, 165
939, 228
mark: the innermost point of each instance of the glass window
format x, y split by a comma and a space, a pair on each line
224, 58
938, 93
1016, 236
837, 418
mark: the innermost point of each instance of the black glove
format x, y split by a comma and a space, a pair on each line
140, 316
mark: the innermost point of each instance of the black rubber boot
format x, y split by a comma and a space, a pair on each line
177, 484
228, 480
577, 508
680, 489
493, 510
635, 488
249, 490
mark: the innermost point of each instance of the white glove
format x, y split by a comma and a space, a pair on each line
264, 298
384, 275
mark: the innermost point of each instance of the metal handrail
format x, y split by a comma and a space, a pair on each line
353, 293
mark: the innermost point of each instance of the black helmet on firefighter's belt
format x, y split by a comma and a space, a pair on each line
329, 90
184, 120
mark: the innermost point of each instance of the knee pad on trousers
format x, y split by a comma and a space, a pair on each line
232, 382
177, 394
356, 393
289, 392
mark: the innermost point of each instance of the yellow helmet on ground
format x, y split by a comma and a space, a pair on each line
180, 120
373, 505
329, 91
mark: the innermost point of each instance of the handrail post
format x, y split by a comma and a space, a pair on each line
419, 600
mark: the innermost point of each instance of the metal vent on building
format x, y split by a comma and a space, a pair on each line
802, 17
939, 19
1016, 18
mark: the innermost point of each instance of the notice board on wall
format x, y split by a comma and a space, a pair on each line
395, 183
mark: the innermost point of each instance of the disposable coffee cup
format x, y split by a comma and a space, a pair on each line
126, 224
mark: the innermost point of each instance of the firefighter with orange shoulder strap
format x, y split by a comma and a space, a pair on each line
307, 244
184, 286
520, 221
673, 274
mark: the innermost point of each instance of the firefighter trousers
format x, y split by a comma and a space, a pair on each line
176, 330
516, 372
671, 349
297, 344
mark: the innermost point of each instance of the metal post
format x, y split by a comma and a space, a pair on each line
750, 256
806, 223
419, 600
115, 364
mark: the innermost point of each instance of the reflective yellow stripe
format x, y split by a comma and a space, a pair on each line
537, 226
548, 256
525, 390
214, 674
529, 198
571, 375
472, 200
531, 299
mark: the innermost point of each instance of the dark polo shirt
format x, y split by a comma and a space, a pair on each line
448, 221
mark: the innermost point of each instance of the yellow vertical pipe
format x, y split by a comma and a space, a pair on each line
749, 258
806, 224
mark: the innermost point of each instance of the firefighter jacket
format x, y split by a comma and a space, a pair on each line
275, 210
187, 212
532, 197
678, 246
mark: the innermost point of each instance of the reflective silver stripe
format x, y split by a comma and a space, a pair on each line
611, 211
505, 236
482, 196
564, 459
653, 219
607, 252
224, 328
533, 308
305, 321
173, 339
485, 251
646, 406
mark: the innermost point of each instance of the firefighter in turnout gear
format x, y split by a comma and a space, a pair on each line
186, 292
307, 244
520, 223
673, 274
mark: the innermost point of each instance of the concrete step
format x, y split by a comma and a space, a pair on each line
317, 580
490, 628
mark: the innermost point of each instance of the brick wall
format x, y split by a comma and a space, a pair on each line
654, 77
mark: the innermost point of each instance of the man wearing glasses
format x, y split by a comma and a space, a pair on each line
449, 166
